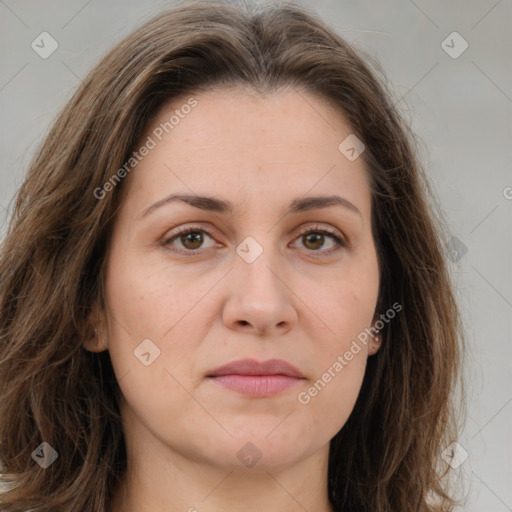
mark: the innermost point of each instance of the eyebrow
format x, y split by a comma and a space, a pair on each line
216, 205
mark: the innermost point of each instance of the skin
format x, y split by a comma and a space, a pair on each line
183, 431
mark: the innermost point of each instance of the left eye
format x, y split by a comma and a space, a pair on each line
315, 239
191, 240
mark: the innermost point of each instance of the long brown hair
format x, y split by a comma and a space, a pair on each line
386, 458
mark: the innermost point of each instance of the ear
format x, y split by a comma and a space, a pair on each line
375, 343
375, 339
96, 337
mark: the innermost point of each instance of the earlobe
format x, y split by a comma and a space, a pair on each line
375, 336
374, 344
96, 338
95, 341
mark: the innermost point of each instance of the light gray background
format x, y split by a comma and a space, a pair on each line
460, 107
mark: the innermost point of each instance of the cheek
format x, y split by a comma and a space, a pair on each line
154, 335
151, 345
330, 399
149, 300
340, 364
346, 307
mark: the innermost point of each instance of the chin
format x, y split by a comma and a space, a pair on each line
252, 452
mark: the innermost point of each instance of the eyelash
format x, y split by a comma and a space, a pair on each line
194, 229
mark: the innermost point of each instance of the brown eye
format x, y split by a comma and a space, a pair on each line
188, 241
192, 240
320, 241
313, 240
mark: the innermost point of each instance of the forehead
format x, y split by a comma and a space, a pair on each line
234, 141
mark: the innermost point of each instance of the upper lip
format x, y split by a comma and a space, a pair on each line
253, 367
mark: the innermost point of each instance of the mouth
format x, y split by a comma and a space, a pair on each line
255, 379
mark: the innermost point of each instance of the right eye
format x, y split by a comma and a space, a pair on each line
190, 239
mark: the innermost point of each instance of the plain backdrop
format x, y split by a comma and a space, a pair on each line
460, 106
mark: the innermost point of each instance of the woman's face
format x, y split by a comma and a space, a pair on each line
261, 276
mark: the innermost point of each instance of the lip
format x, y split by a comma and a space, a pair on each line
253, 367
257, 379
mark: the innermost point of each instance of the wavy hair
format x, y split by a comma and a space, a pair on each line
386, 458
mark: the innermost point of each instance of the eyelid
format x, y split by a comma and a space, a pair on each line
323, 229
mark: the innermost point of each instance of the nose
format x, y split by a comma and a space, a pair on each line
260, 298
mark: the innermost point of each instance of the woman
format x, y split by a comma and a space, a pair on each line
223, 286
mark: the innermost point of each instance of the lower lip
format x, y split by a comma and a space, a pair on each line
257, 385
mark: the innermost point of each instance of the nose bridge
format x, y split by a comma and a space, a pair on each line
258, 264
259, 299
